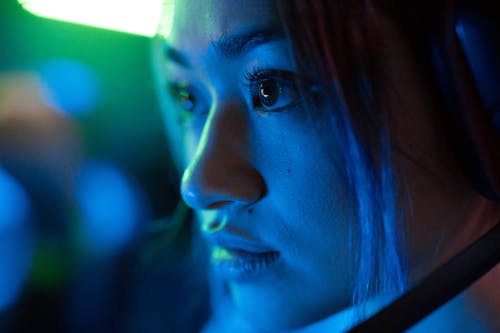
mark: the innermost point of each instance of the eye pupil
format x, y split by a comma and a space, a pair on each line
269, 92
186, 101
183, 97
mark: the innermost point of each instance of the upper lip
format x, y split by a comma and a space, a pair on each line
232, 241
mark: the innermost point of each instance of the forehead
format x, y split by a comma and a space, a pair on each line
199, 22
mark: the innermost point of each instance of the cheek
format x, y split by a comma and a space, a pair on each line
317, 216
307, 188
312, 233
303, 171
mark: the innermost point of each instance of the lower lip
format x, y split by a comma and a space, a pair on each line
240, 265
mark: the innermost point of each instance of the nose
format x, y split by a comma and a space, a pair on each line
221, 172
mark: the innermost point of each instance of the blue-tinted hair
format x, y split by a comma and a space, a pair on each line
338, 44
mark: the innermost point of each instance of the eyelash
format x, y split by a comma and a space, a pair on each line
287, 80
290, 86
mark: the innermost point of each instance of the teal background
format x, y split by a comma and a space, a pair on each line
67, 278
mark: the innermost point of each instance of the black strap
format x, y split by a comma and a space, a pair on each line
438, 288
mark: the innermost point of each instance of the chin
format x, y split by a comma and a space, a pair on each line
275, 309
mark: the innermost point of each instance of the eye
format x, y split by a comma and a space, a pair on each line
186, 102
274, 91
182, 95
269, 92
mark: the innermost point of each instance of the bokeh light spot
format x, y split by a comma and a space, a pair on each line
109, 204
16, 239
14, 202
71, 86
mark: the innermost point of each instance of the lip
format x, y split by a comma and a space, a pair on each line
240, 265
237, 258
237, 241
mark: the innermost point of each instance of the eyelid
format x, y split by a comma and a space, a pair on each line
176, 85
198, 110
256, 74
303, 86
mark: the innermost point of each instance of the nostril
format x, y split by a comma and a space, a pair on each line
210, 223
218, 204
214, 226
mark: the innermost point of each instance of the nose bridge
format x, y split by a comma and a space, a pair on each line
224, 129
221, 172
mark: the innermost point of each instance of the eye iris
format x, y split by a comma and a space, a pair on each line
186, 100
269, 92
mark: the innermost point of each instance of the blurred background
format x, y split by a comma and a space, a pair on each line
92, 237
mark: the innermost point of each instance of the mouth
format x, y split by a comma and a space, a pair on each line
242, 265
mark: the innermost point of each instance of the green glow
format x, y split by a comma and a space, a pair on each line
207, 220
140, 17
221, 254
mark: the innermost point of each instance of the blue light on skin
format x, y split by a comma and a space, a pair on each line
109, 204
16, 239
270, 180
271, 162
458, 316
72, 87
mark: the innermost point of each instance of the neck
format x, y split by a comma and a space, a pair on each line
345, 319
455, 316
459, 223
482, 216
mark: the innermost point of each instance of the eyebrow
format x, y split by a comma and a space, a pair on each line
231, 46
236, 45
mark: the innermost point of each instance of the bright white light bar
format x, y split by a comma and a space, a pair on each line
140, 17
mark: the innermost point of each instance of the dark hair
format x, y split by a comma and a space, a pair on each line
340, 42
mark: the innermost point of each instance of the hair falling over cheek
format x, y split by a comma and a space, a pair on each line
339, 42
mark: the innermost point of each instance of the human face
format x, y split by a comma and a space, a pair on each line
271, 200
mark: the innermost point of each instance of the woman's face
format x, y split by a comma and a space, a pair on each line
273, 205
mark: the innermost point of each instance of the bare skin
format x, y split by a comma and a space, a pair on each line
260, 178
